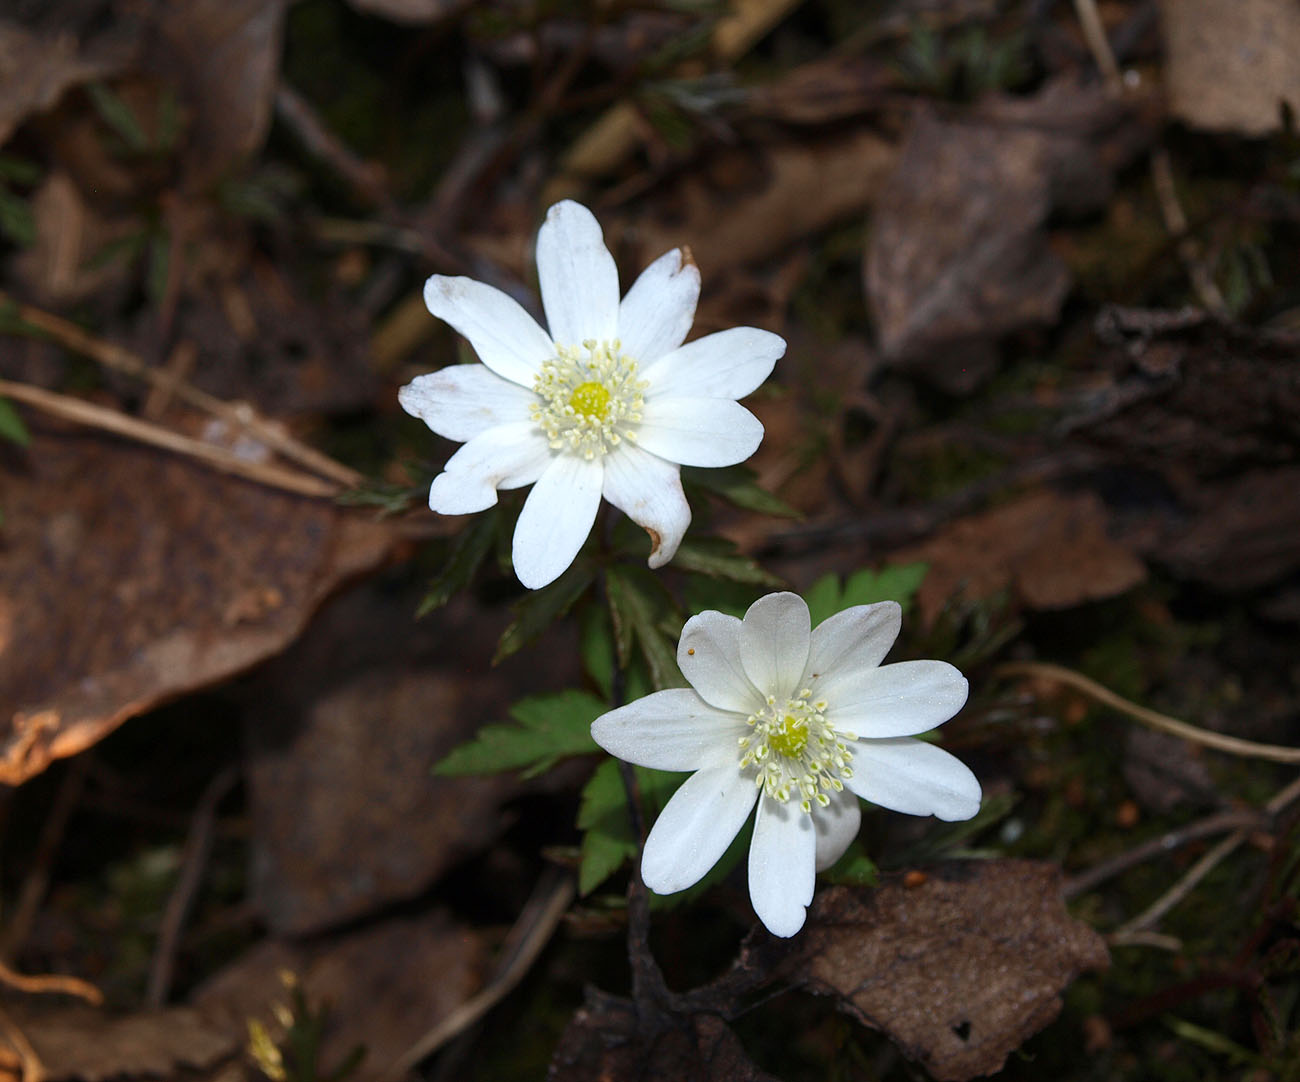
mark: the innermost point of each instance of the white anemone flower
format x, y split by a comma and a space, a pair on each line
801, 722
607, 402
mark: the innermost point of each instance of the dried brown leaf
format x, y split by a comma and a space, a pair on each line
414, 12
959, 969
1229, 67
129, 576
1053, 550
606, 1042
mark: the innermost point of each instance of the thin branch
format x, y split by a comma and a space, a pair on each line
240, 416
1231, 745
33, 1070
198, 845
47, 983
82, 412
532, 931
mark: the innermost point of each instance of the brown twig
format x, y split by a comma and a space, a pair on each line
32, 1067
1231, 745
366, 179
194, 858
239, 416
47, 983
82, 412
532, 931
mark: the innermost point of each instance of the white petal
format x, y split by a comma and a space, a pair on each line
507, 456
556, 519
709, 656
695, 828
782, 866
506, 338
914, 777
850, 643
671, 730
577, 276
774, 641
699, 431
728, 364
658, 311
895, 700
649, 491
464, 400
837, 825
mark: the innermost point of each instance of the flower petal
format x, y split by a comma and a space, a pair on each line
903, 699
728, 364
695, 828
837, 825
914, 777
699, 431
577, 275
507, 456
709, 656
649, 491
464, 400
849, 644
782, 871
658, 311
774, 639
671, 730
505, 337
556, 519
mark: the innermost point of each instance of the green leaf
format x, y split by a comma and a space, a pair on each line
823, 598
638, 605
854, 868
11, 425
607, 839
16, 221
114, 112
596, 647
467, 554
738, 485
550, 728
19, 170
720, 560
541, 608
896, 582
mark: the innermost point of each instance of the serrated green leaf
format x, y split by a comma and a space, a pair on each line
11, 425
638, 604
719, 559
549, 728
467, 554
541, 608
854, 868
738, 485
607, 840
823, 598
596, 647
896, 582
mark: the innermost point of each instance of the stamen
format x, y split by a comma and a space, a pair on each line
591, 400
793, 749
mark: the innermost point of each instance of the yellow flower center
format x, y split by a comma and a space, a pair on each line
795, 751
589, 398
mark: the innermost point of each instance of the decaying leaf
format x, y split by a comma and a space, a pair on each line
382, 987
958, 253
129, 577
1053, 550
82, 1044
959, 970
1230, 67
606, 1042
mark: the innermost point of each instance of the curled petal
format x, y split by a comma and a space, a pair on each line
708, 654
507, 456
670, 730
695, 828
556, 519
774, 641
914, 777
903, 699
505, 337
649, 491
782, 872
699, 431
658, 311
577, 275
728, 364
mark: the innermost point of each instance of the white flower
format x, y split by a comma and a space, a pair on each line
608, 403
801, 722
